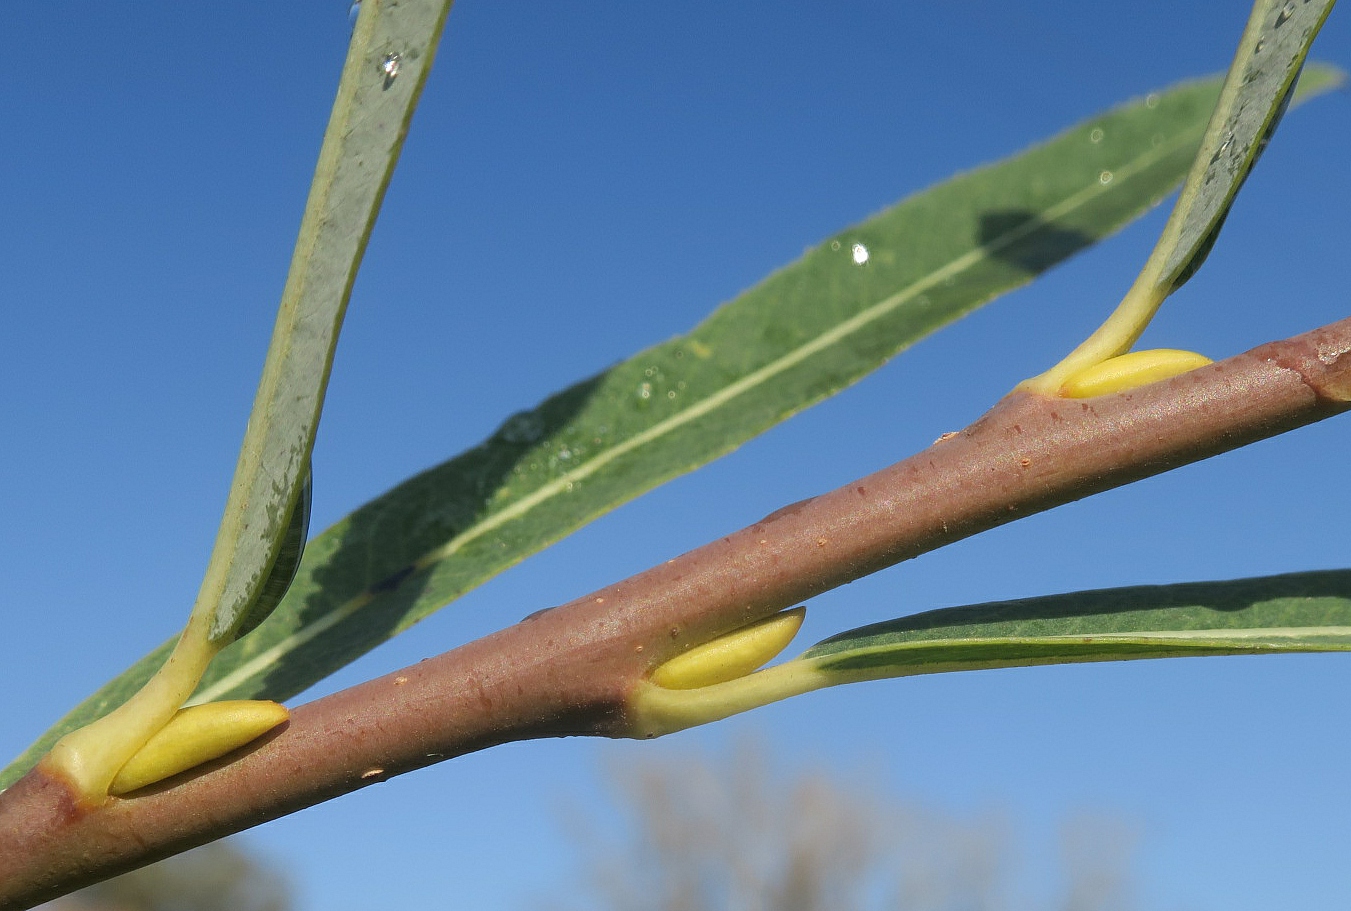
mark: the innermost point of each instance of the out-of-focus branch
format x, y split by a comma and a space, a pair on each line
569, 670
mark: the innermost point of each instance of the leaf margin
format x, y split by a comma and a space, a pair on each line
108, 696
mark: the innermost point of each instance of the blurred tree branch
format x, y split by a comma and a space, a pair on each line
703, 833
216, 877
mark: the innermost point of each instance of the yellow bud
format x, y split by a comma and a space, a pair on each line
730, 656
196, 735
1128, 371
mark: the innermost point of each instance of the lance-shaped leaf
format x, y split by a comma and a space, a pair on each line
387, 64
807, 331
1298, 612
1261, 83
1256, 94
266, 518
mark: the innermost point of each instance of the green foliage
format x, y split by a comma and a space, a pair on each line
266, 521
1263, 80
807, 331
1299, 612
387, 64
804, 333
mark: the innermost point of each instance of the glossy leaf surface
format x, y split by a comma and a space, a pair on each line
804, 333
1300, 612
388, 62
1262, 82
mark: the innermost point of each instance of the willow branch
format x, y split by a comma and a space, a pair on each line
569, 670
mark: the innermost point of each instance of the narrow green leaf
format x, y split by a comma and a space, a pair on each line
266, 522
807, 331
1262, 81
1299, 612
387, 63
1256, 93
802, 334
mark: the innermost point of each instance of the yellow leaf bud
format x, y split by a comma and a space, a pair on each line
1131, 370
196, 735
730, 656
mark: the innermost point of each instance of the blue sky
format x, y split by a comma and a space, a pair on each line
583, 180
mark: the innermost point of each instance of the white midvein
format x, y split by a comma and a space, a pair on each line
1218, 637
790, 359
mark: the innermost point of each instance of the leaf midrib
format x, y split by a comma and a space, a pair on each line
1197, 637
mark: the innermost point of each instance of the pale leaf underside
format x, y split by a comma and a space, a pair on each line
805, 332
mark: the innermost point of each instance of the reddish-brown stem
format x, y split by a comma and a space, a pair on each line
568, 670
